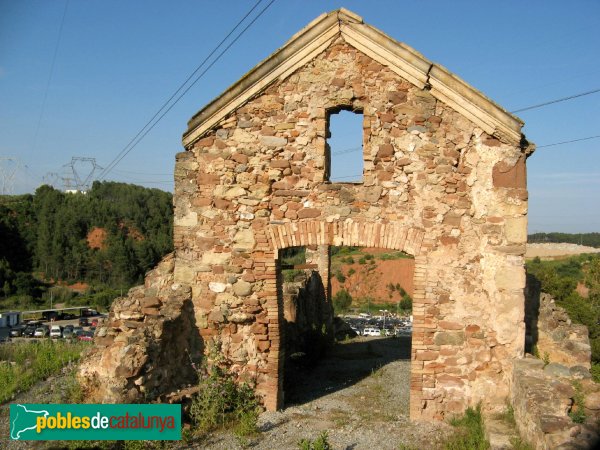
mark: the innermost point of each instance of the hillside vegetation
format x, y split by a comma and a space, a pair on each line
44, 240
560, 279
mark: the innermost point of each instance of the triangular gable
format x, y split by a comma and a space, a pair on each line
398, 57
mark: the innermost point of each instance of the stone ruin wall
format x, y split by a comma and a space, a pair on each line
435, 186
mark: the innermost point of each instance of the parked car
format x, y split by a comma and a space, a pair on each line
56, 331
41, 332
86, 336
83, 321
17, 331
29, 330
68, 333
77, 331
372, 332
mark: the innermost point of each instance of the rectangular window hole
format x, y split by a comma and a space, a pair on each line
345, 146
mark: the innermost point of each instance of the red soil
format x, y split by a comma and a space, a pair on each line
374, 282
96, 238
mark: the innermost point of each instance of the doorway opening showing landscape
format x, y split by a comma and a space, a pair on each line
347, 328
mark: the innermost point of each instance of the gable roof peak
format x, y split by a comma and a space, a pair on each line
402, 59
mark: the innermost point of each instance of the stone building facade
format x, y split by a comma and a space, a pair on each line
443, 180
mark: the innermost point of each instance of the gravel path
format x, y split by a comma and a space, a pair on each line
359, 395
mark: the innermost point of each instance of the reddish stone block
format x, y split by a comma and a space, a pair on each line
427, 355
308, 213
385, 151
207, 178
510, 176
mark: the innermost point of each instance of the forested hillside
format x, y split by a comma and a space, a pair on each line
107, 238
588, 239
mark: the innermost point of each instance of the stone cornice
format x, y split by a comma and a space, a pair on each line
400, 58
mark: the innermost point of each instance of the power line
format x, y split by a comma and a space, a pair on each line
568, 142
556, 101
345, 177
164, 105
43, 109
149, 125
346, 150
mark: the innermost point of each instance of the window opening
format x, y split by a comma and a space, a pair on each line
345, 145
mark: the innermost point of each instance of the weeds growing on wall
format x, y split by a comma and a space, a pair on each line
577, 413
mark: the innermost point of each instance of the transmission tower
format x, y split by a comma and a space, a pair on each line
8, 169
51, 179
81, 173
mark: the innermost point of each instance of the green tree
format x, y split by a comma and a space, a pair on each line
342, 301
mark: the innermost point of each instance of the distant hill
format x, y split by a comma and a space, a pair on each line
587, 239
109, 236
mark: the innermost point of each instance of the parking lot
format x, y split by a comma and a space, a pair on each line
365, 325
80, 328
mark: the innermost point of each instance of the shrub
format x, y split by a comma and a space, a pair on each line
222, 402
596, 372
406, 303
577, 413
321, 443
469, 433
340, 277
342, 301
351, 272
362, 260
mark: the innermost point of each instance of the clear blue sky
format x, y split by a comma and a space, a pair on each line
118, 61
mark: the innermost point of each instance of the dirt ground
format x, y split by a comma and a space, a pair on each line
359, 395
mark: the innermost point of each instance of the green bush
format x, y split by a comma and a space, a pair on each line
577, 413
321, 443
340, 277
469, 432
596, 372
406, 303
221, 402
362, 260
342, 301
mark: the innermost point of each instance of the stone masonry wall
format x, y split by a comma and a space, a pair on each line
307, 315
434, 185
550, 331
148, 346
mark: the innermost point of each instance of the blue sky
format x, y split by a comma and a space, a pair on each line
118, 61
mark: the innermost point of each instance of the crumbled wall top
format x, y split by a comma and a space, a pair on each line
400, 58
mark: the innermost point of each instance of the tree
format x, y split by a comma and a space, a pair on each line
406, 303
342, 301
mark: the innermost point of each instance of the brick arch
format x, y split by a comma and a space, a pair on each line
393, 236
